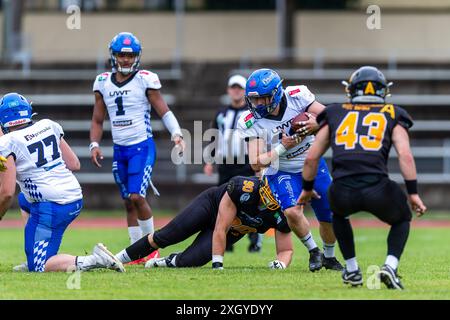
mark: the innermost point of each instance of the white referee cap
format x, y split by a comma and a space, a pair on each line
237, 79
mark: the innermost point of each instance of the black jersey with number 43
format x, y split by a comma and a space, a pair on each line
361, 136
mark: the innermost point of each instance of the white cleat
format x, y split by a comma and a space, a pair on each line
21, 267
106, 259
156, 263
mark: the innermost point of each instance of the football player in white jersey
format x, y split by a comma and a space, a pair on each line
39, 158
268, 124
127, 94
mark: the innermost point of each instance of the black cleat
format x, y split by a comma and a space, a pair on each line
353, 278
332, 264
315, 260
254, 248
390, 278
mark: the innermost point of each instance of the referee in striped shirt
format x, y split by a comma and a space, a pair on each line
231, 154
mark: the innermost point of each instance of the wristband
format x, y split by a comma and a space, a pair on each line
411, 186
93, 145
308, 185
280, 149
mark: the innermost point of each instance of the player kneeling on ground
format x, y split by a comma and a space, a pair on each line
222, 215
37, 155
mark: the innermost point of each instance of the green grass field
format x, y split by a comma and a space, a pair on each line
425, 268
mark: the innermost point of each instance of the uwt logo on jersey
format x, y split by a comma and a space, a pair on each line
119, 93
283, 126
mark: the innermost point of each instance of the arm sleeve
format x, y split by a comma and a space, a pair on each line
403, 118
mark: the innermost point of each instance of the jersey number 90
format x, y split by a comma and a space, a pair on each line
347, 136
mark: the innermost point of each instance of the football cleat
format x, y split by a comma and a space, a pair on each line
332, 264
353, 278
390, 278
154, 254
254, 248
104, 258
23, 267
164, 262
315, 260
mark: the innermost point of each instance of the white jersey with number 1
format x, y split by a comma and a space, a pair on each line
40, 169
127, 104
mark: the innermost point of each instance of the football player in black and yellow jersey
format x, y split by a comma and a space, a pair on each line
220, 215
360, 134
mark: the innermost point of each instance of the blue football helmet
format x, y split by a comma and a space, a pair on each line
125, 42
263, 83
14, 110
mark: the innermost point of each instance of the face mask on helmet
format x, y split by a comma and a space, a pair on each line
14, 111
122, 44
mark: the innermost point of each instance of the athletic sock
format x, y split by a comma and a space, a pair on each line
392, 262
309, 242
123, 256
137, 250
351, 264
146, 226
328, 250
135, 233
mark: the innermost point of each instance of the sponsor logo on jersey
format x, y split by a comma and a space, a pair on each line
244, 197
292, 92
248, 117
283, 126
103, 76
299, 151
249, 120
30, 136
122, 123
119, 93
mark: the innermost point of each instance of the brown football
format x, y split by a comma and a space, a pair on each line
300, 117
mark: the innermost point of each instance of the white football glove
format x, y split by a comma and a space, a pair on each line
277, 264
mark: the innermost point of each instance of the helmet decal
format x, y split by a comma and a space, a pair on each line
369, 88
